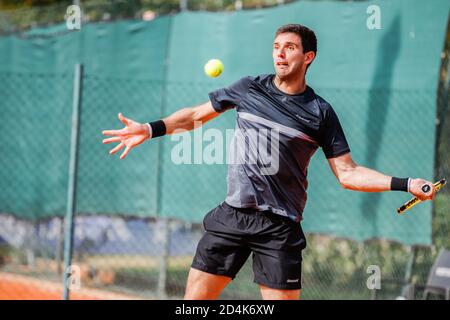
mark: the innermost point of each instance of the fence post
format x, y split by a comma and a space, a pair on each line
183, 5
163, 263
59, 246
164, 259
409, 272
73, 166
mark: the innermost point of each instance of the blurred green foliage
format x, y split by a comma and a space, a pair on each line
18, 15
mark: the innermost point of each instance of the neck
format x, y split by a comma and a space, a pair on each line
290, 86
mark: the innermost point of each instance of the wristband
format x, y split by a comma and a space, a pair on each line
158, 128
400, 184
149, 128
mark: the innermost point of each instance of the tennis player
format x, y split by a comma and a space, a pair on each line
263, 210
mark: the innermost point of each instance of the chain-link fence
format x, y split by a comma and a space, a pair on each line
123, 257
123, 247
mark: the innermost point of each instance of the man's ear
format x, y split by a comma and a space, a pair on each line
309, 57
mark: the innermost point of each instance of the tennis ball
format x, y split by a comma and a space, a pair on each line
214, 68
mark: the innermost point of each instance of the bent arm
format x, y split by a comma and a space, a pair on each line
355, 177
190, 118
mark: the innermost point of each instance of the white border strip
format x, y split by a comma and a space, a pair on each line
284, 129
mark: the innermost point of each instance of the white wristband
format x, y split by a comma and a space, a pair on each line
149, 130
409, 182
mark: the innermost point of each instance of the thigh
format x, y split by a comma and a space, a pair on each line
220, 256
278, 269
279, 294
277, 255
221, 250
204, 286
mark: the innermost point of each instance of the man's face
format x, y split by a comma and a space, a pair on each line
288, 56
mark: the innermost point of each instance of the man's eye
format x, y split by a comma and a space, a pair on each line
291, 47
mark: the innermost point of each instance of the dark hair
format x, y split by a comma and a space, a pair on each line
307, 36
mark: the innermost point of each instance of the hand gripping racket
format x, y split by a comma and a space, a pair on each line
425, 188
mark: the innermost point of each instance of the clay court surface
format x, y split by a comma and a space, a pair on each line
19, 287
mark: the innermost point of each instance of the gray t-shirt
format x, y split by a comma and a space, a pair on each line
276, 135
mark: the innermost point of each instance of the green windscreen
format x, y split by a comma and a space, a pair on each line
382, 83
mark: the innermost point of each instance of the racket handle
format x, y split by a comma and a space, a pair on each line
411, 203
425, 188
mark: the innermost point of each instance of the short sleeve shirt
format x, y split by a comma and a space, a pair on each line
275, 137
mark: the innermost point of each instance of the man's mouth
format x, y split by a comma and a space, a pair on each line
282, 63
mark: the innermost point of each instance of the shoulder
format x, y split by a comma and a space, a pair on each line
324, 107
245, 83
322, 104
259, 79
262, 77
242, 83
258, 83
263, 80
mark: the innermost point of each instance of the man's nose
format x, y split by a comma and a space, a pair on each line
281, 53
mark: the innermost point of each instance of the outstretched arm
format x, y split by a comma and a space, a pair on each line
136, 133
355, 177
190, 118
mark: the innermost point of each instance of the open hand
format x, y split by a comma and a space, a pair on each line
129, 137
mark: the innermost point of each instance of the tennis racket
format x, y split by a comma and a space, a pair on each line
425, 188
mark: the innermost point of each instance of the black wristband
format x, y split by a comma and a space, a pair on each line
399, 184
158, 128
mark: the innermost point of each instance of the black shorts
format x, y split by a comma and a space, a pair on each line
233, 233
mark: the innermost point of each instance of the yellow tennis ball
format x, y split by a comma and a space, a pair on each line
214, 68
